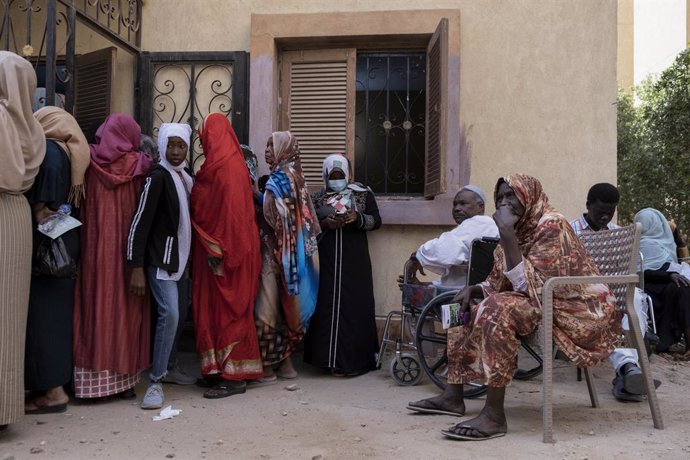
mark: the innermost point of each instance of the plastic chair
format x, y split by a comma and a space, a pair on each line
615, 253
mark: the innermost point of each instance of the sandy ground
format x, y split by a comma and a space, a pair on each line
363, 417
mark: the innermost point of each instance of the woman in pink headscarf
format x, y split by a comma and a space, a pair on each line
111, 325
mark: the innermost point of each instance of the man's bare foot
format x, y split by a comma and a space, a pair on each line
442, 404
488, 424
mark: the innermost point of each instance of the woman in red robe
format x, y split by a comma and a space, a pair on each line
226, 263
111, 325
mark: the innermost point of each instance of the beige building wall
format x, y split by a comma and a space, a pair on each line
537, 91
626, 42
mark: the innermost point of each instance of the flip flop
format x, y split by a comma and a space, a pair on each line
224, 389
262, 382
432, 408
463, 437
54, 409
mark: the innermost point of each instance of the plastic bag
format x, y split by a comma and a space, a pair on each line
52, 259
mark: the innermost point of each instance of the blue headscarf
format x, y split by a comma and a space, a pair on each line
656, 243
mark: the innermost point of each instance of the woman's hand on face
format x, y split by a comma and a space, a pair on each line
505, 220
137, 282
680, 280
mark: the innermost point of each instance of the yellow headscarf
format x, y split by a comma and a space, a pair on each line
61, 127
23, 142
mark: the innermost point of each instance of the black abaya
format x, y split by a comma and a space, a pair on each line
342, 332
48, 358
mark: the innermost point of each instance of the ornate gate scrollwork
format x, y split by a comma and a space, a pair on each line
185, 87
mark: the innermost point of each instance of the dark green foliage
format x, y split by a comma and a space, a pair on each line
654, 146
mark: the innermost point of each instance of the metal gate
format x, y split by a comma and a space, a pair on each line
43, 31
185, 87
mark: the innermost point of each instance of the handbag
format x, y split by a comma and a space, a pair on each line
52, 259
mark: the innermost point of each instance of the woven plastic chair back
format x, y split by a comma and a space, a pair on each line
614, 254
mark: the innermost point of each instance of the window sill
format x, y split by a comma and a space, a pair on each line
401, 210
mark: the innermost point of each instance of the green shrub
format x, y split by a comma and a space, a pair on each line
654, 145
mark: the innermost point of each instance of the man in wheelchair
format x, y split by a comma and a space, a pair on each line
448, 254
536, 243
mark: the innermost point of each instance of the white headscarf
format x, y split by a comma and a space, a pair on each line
338, 161
22, 141
656, 242
168, 130
183, 186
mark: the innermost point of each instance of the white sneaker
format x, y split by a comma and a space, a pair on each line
153, 399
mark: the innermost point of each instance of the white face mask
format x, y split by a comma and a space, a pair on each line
337, 185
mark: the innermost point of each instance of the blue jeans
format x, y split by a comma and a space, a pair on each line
184, 291
166, 294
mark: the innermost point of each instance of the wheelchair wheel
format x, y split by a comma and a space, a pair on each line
406, 370
431, 341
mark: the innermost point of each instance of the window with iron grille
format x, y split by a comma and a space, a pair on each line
385, 111
390, 122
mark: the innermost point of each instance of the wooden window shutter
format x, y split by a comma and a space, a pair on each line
93, 80
436, 111
318, 105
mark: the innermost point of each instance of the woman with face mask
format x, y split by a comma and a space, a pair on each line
342, 333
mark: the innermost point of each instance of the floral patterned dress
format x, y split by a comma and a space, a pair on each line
586, 322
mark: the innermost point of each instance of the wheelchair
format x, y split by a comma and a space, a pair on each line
405, 367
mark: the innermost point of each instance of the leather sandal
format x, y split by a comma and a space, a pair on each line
225, 388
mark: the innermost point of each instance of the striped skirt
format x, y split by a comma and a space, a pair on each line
15, 280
